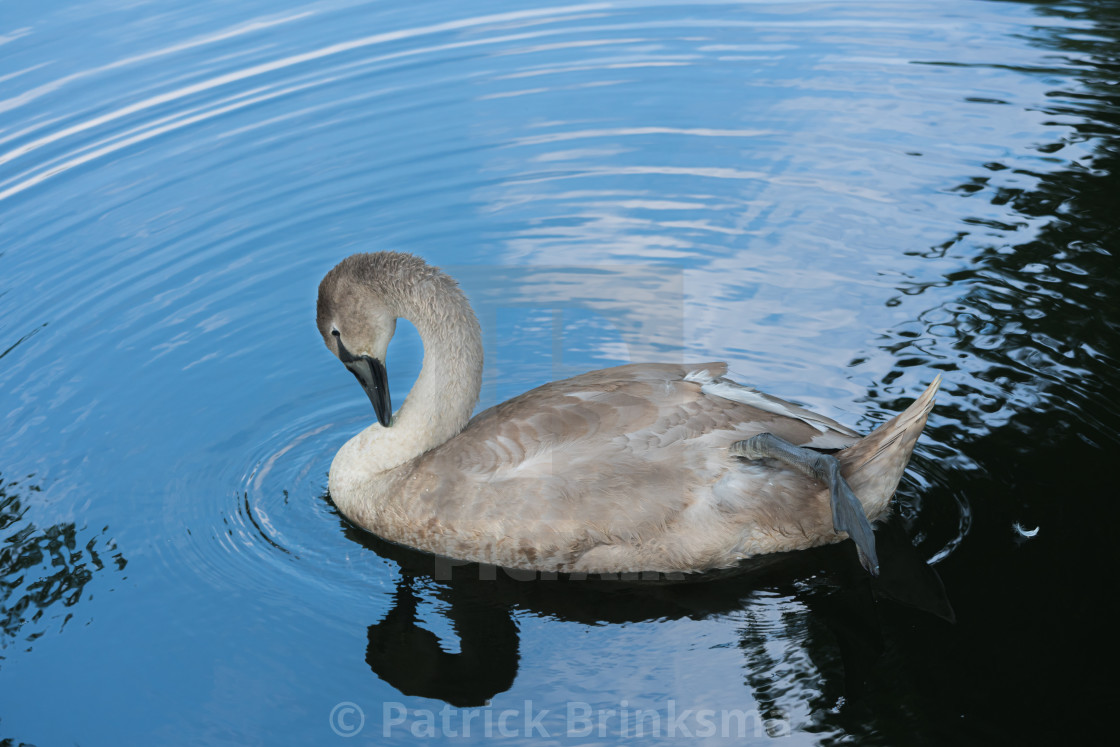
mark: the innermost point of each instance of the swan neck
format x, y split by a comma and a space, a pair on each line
446, 391
441, 401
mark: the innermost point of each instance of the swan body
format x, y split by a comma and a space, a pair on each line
634, 468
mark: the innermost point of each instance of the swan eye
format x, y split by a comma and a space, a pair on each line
336, 333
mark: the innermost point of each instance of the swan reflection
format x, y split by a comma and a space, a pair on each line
482, 603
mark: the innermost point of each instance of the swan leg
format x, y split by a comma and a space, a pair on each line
847, 512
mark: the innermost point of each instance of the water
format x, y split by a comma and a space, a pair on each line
839, 199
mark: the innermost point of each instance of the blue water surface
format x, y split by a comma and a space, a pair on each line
841, 200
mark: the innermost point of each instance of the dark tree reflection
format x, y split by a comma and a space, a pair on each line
44, 571
1030, 347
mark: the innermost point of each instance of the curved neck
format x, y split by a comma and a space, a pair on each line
445, 393
442, 399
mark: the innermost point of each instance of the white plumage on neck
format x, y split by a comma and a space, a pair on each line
444, 395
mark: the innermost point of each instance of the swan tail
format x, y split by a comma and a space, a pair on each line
874, 465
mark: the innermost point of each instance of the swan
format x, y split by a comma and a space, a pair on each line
647, 467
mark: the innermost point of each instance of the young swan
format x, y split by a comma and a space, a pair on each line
644, 467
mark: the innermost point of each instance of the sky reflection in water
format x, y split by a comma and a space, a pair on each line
841, 200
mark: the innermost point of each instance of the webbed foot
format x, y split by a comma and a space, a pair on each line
847, 512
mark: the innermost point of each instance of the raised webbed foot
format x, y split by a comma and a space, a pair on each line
847, 512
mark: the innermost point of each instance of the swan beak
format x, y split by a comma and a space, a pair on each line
370, 373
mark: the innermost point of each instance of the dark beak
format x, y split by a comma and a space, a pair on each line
370, 373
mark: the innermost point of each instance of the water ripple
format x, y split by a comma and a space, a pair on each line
200, 285
841, 200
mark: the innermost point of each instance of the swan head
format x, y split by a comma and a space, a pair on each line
356, 323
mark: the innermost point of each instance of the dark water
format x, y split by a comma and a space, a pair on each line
840, 199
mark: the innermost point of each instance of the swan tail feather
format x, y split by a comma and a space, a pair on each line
874, 465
